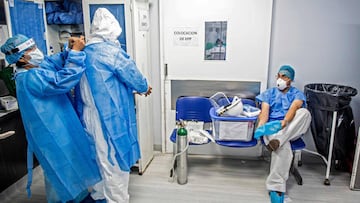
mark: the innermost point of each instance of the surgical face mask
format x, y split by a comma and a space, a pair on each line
281, 84
36, 57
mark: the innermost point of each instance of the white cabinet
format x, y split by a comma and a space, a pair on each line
132, 16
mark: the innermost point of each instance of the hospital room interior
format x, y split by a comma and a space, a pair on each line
208, 63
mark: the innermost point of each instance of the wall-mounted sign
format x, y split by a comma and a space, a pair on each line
186, 36
143, 20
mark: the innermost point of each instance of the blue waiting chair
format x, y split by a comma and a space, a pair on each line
192, 108
296, 146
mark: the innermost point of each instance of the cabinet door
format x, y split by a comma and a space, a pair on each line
27, 18
12, 150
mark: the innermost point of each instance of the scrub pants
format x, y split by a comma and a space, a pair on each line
281, 158
115, 182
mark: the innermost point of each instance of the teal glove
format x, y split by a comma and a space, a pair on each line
267, 129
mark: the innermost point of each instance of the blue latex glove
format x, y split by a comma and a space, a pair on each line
267, 129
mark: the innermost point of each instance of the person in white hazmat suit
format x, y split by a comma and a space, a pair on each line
286, 104
106, 106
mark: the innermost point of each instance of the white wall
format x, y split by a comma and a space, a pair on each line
247, 39
321, 39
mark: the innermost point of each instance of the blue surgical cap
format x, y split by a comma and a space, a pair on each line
11, 49
287, 71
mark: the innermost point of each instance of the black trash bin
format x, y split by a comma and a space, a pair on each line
322, 101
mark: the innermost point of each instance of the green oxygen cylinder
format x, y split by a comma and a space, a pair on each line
182, 142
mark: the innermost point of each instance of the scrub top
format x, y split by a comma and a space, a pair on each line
279, 102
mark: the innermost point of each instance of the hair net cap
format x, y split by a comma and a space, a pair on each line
287, 71
10, 45
105, 24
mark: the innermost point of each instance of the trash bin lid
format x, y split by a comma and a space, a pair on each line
331, 97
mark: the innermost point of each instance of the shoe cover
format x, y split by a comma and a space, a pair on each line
267, 129
276, 198
89, 199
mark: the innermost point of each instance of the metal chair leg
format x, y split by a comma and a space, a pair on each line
294, 170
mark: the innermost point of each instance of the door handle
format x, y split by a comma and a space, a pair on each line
7, 134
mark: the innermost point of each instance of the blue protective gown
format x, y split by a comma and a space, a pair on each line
112, 77
53, 130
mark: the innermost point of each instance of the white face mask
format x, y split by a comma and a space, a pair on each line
281, 84
36, 57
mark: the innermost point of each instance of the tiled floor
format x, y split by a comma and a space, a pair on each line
215, 179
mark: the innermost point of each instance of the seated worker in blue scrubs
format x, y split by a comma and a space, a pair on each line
53, 130
286, 104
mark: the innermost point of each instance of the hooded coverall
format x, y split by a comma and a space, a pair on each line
107, 107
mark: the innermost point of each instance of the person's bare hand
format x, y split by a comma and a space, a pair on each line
283, 124
77, 43
148, 92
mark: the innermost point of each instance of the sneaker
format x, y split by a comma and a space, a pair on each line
276, 197
273, 145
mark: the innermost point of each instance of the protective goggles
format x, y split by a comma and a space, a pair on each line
23, 46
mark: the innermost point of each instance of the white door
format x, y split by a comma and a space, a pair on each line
144, 105
136, 43
243, 26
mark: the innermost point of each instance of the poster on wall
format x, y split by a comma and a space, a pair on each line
215, 40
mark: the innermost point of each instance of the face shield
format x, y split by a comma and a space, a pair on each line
235, 108
15, 47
